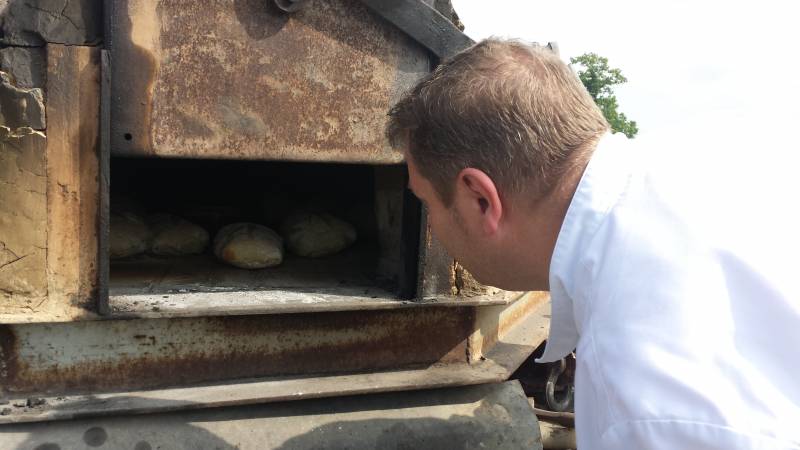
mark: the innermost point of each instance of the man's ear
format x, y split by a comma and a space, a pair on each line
480, 197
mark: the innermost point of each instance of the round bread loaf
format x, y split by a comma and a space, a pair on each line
317, 234
174, 236
129, 235
248, 246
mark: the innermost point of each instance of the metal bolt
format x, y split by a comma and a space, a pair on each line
290, 5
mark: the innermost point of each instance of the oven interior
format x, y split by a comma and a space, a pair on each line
214, 193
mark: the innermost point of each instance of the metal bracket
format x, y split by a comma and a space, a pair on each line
560, 386
422, 23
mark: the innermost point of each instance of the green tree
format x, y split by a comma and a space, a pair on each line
600, 80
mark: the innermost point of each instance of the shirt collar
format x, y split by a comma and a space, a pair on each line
603, 182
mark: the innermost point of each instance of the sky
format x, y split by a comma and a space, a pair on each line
703, 72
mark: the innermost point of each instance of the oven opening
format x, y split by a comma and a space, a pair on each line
199, 234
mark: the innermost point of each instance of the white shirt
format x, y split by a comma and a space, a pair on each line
675, 276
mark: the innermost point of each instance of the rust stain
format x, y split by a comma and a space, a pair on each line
89, 160
243, 80
227, 348
134, 70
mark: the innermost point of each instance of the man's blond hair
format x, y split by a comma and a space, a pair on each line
510, 109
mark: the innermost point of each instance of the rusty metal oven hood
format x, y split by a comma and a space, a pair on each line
246, 80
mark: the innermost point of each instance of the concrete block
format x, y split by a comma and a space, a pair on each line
26, 65
23, 216
20, 107
37, 22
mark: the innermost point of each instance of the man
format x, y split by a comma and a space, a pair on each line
681, 302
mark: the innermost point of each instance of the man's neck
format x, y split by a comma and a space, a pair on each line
547, 215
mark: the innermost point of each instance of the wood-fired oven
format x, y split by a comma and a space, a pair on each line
219, 113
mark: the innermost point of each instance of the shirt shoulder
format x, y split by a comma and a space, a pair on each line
688, 318
604, 182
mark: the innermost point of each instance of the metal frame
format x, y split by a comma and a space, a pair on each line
424, 24
431, 266
501, 341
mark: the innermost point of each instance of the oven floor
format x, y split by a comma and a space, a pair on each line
154, 283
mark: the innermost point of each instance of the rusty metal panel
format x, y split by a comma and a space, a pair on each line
97, 356
502, 338
241, 79
494, 323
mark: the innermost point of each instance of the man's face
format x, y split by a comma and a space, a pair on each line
442, 219
462, 229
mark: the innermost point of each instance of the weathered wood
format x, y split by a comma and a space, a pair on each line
73, 185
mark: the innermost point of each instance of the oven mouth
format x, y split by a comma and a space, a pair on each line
379, 266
